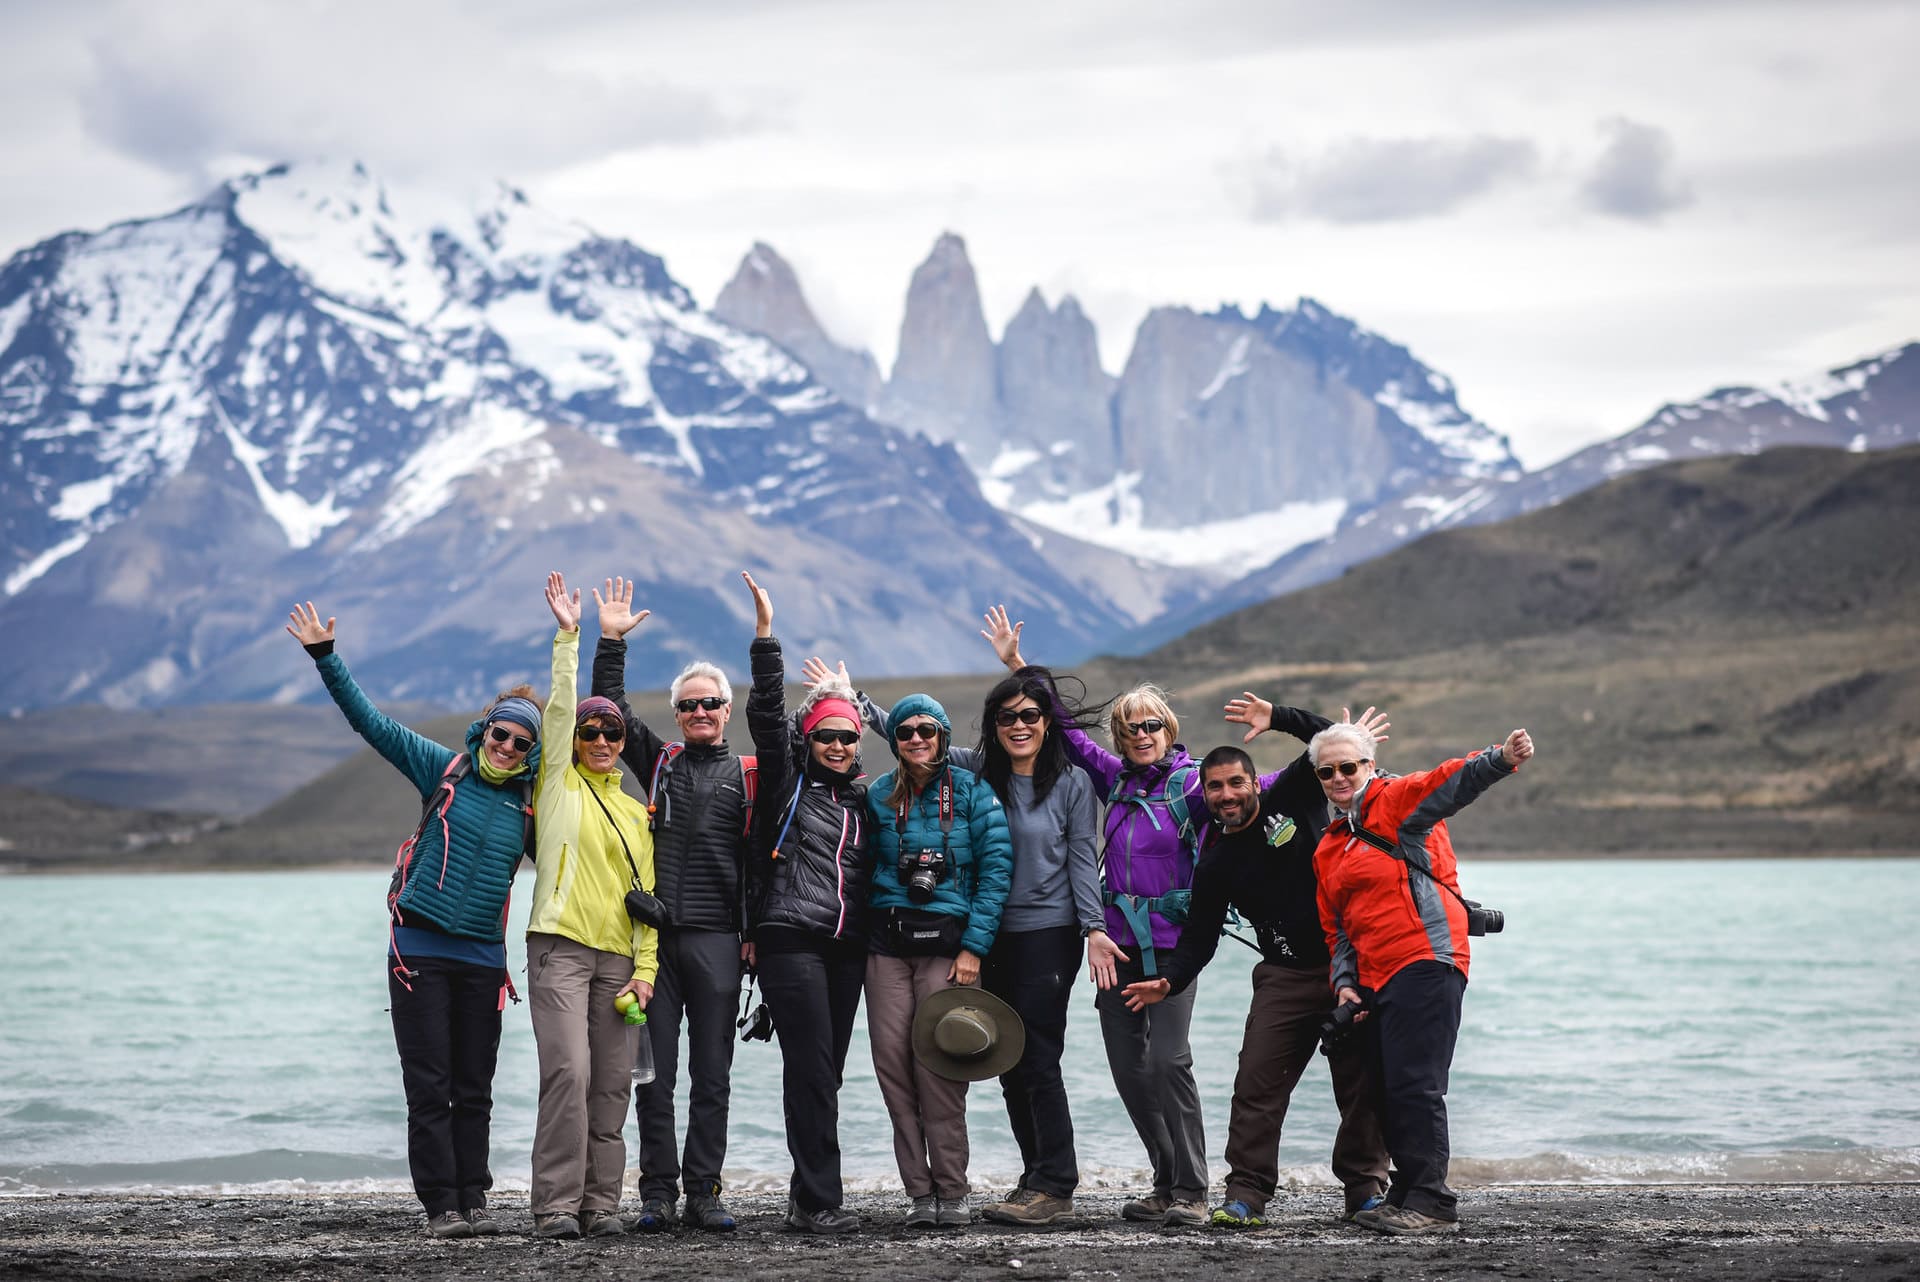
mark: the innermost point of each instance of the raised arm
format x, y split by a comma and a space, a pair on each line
1451, 786
617, 618
767, 702
556, 721
414, 755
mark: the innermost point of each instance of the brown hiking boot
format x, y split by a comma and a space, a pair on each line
1150, 1209
1030, 1208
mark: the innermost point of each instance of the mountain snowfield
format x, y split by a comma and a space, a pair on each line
407, 407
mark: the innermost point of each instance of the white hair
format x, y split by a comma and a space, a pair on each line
699, 668
834, 687
1342, 732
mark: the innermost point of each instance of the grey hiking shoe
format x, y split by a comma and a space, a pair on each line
1029, 1208
832, 1220
448, 1224
924, 1213
952, 1212
1149, 1209
656, 1215
1185, 1214
1403, 1221
484, 1225
705, 1212
557, 1226
604, 1224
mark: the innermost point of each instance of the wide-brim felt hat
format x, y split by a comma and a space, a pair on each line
967, 1035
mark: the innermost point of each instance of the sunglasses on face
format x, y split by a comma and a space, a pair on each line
588, 734
500, 734
712, 703
918, 730
847, 737
1026, 716
1347, 768
1152, 725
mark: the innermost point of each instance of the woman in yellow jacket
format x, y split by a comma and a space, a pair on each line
583, 951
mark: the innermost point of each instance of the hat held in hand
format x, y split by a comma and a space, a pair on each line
967, 1035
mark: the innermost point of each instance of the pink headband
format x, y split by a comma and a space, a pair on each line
829, 708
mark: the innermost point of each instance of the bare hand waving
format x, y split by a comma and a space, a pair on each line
566, 609
1004, 637
762, 607
306, 628
616, 608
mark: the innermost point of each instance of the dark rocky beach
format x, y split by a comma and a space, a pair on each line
1558, 1232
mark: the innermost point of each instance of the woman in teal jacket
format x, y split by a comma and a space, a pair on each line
447, 951
943, 861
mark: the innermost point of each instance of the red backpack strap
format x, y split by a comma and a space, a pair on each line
436, 801
749, 784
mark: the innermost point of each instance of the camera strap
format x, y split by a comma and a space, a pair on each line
946, 811
625, 849
1381, 844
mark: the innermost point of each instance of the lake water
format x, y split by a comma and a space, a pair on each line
1638, 1021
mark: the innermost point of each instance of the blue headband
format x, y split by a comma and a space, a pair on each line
520, 711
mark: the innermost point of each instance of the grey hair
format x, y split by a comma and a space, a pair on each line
1342, 732
699, 668
834, 687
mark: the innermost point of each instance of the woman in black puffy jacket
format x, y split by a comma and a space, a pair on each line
807, 894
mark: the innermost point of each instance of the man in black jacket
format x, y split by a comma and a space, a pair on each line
698, 798
1258, 860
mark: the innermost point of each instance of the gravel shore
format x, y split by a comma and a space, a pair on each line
1695, 1231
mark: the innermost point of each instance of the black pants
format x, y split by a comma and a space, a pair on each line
1419, 1015
447, 1029
813, 994
700, 978
1033, 971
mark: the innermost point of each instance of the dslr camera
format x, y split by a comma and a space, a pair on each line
1482, 920
1338, 1025
921, 871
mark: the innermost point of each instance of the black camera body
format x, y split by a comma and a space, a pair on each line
921, 871
1338, 1025
756, 1025
1482, 920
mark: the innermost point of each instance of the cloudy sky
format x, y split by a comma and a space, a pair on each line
1576, 209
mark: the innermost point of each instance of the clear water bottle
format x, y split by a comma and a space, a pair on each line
642, 1046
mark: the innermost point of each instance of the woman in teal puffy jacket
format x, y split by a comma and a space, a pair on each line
943, 861
447, 951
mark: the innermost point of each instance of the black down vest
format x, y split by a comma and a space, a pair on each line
814, 877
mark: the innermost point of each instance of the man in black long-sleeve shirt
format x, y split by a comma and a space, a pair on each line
1258, 861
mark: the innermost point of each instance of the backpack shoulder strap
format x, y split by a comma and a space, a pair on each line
750, 785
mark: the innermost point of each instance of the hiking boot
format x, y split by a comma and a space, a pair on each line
832, 1220
448, 1224
1185, 1214
1373, 1203
1236, 1215
924, 1213
705, 1212
603, 1224
558, 1226
1404, 1221
484, 1225
656, 1215
952, 1212
1151, 1208
1030, 1208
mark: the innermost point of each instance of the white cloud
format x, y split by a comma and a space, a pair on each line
1635, 176
1374, 180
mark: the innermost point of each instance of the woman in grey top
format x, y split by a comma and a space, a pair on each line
1054, 904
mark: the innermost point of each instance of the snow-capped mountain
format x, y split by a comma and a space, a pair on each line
1224, 436
1871, 404
309, 384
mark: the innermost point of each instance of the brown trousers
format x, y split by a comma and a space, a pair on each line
929, 1112
1283, 1032
586, 1069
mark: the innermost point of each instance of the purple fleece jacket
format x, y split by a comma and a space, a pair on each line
1137, 857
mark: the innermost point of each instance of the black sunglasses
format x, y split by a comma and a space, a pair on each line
1026, 716
712, 703
1347, 768
588, 734
835, 736
1152, 725
500, 734
917, 730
